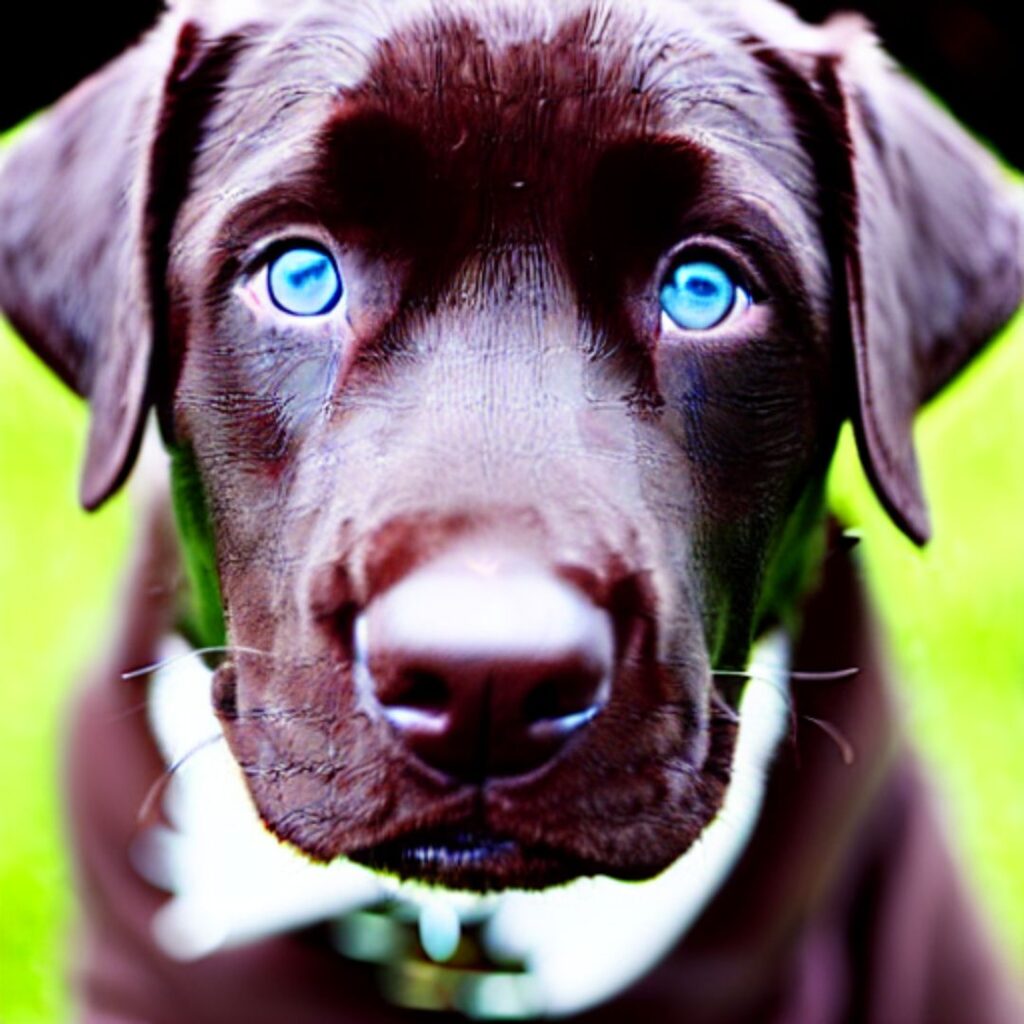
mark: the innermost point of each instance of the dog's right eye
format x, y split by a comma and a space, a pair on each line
700, 294
304, 281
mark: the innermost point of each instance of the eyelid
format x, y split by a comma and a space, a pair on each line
726, 254
254, 256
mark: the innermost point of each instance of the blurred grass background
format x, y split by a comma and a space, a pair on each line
955, 614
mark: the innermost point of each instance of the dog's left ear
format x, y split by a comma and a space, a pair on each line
87, 198
933, 252
927, 232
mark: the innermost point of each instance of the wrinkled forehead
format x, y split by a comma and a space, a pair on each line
529, 96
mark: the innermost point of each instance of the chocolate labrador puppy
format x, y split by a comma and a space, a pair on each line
500, 351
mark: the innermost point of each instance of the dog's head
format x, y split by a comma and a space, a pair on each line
501, 350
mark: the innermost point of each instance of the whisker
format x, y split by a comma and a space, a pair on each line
798, 675
776, 681
846, 750
197, 652
825, 677
159, 786
720, 709
133, 709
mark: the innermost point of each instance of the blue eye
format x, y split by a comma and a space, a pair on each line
699, 295
304, 281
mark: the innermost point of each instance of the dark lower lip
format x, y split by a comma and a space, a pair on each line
473, 860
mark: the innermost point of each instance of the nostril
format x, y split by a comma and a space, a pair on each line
544, 703
418, 688
563, 698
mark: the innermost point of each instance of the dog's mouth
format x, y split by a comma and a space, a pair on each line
471, 857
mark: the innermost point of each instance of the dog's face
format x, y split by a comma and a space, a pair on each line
498, 399
501, 350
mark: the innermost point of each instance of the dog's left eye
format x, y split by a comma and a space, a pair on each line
700, 294
304, 281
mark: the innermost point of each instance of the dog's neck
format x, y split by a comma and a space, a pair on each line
231, 882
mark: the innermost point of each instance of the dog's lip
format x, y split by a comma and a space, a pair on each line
470, 857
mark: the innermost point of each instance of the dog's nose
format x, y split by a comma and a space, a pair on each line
485, 669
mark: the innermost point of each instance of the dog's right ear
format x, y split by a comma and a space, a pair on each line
87, 199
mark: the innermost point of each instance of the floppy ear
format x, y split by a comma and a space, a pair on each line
925, 230
931, 238
933, 258
87, 199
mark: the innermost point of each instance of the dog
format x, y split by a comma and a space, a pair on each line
500, 352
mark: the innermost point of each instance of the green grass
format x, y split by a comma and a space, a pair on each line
57, 568
955, 612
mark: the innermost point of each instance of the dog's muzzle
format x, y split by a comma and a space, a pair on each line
232, 882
